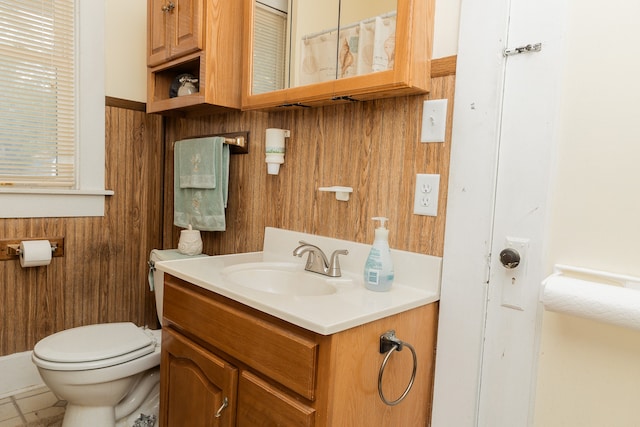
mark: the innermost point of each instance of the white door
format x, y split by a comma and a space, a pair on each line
502, 148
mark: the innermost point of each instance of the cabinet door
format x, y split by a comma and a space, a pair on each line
157, 37
194, 385
186, 33
380, 52
174, 29
262, 405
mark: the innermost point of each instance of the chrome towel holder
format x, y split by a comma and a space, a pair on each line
388, 344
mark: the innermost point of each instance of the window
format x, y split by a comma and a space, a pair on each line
51, 108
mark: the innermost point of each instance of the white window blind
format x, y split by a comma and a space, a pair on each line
269, 44
37, 94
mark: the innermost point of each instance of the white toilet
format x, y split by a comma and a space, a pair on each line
106, 372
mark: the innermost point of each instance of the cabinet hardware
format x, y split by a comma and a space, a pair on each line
225, 403
169, 7
344, 98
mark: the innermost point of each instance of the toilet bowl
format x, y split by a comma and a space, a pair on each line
105, 371
83, 367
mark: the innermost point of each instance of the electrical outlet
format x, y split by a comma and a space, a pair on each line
426, 195
434, 120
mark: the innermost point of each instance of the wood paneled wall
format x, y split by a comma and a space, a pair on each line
373, 147
103, 274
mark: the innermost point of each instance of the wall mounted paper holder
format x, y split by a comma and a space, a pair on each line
10, 248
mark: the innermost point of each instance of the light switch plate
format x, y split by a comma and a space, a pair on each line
434, 120
426, 194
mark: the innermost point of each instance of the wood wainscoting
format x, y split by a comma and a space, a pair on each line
371, 146
103, 274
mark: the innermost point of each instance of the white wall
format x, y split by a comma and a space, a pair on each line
446, 24
126, 49
588, 372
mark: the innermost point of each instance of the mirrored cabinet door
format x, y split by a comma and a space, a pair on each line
367, 37
314, 41
271, 47
314, 52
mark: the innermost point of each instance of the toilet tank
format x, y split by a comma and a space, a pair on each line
156, 277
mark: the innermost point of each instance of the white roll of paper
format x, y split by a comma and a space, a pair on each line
34, 253
601, 302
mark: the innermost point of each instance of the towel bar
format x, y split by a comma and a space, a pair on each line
238, 142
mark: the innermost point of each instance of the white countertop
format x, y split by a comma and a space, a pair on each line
417, 282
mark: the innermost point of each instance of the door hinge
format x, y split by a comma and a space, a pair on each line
537, 47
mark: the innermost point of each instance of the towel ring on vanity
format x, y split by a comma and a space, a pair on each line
388, 344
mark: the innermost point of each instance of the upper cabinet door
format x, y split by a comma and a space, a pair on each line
315, 52
187, 31
157, 36
174, 28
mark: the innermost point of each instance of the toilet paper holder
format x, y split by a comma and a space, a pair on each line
10, 248
623, 279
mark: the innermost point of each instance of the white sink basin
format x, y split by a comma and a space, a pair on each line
281, 278
274, 282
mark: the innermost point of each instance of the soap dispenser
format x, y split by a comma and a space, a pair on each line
378, 270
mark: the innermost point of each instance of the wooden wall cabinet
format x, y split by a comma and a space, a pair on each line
201, 38
275, 373
175, 29
410, 74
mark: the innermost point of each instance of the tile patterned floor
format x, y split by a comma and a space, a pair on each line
34, 408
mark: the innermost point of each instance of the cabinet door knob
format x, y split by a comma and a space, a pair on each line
225, 403
168, 7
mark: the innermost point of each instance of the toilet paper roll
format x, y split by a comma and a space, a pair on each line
601, 302
34, 253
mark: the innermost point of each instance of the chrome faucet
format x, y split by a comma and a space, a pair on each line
317, 261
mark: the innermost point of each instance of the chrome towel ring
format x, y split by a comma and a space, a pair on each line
388, 344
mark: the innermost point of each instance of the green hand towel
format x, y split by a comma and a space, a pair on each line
197, 162
203, 208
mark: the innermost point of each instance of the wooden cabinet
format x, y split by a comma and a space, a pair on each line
286, 375
196, 385
175, 29
406, 72
262, 404
194, 37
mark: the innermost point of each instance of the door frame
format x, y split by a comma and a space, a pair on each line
462, 348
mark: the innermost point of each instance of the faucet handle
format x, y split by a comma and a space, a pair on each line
334, 264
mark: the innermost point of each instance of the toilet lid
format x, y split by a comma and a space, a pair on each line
95, 342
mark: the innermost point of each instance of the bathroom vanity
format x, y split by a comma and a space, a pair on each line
236, 355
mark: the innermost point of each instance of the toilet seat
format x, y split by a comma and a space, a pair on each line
93, 347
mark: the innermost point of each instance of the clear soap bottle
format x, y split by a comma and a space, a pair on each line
378, 270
